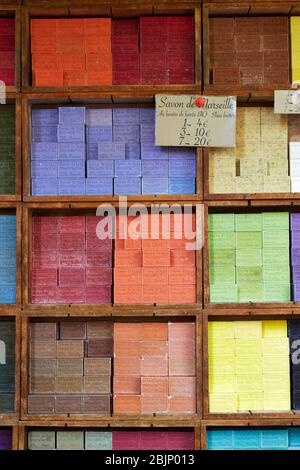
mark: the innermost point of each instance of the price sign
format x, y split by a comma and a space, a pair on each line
286, 102
195, 121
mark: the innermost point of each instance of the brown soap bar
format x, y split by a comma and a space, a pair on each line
276, 42
68, 404
226, 75
72, 330
275, 25
43, 331
97, 384
70, 348
99, 329
100, 366
69, 385
68, 367
276, 75
43, 349
39, 367
220, 43
250, 59
100, 347
221, 26
224, 59
41, 385
95, 404
247, 25
41, 404
248, 42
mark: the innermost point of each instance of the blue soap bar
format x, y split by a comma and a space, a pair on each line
182, 185
130, 168
124, 116
148, 133
100, 168
294, 437
71, 186
98, 117
133, 151
44, 151
44, 134
71, 169
147, 115
43, 168
8, 294
97, 134
246, 439
219, 440
7, 276
92, 151
71, 115
44, 186
8, 225
71, 150
8, 258
155, 185
274, 439
99, 186
154, 152
182, 168
123, 186
44, 117
7, 243
126, 133
71, 133
155, 168
111, 151
182, 152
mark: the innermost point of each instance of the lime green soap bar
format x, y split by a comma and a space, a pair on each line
221, 222
250, 292
220, 240
277, 292
275, 221
272, 238
220, 274
251, 274
41, 440
98, 440
276, 273
222, 257
248, 240
249, 257
276, 255
248, 222
69, 440
223, 293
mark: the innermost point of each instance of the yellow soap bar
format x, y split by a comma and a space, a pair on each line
220, 329
274, 328
249, 365
275, 346
221, 347
222, 365
248, 329
248, 347
296, 73
274, 401
278, 382
249, 383
222, 403
295, 25
275, 364
250, 401
222, 383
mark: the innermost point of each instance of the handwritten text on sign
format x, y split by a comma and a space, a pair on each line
180, 122
286, 102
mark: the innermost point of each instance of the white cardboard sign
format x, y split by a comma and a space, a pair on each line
287, 102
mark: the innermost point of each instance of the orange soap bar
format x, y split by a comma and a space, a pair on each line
128, 294
154, 366
71, 62
128, 258
154, 348
128, 276
45, 61
182, 294
155, 276
181, 366
127, 404
183, 258
154, 386
178, 331
43, 45
182, 404
155, 293
156, 244
127, 366
154, 332
127, 385
48, 77
98, 77
70, 27
130, 244
74, 78
159, 257
180, 349
154, 404
127, 349
127, 331
43, 28
182, 275
182, 386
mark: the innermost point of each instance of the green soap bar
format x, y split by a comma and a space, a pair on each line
253, 274
220, 240
220, 274
249, 257
250, 292
248, 222
276, 255
41, 440
277, 292
222, 257
97, 440
223, 293
280, 238
276, 221
276, 273
248, 240
221, 222
69, 440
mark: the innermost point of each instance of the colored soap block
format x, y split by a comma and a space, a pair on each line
182, 185
70, 440
126, 133
100, 168
98, 117
132, 151
115, 151
123, 186
221, 222
44, 151
71, 133
98, 440
248, 222
41, 440
124, 116
128, 168
221, 240
44, 186
43, 133
71, 115
152, 152
98, 134
44, 117
71, 169
71, 151
99, 186
69, 186
155, 185
182, 168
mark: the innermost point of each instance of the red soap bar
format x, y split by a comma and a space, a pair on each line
179, 348
98, 276
44, 277
128, 276
159, 257
123, 78
154, 245
71, 224
223, 59
72, 330
154, 386
275, 24
72, 295
93, 243
91, 222
43, 295
276, 60
7, 60
70, 45
154, 332
131, 244
126, 440
97, 61
160, 348
182, 366
124, 27
94, 44
154, 293
7, 76
275, 75
154, 366
69, 259
44, 61
247, 25
95, 77
181, 331
71, 276
44, 224
155, 276
128, 258
183, 258
182, 294
43, 28
127, 348
43, 44
71, 62
100, 258
48, 77
7, 43
124, 367
98, 294
71, 241
97, 27
46, 259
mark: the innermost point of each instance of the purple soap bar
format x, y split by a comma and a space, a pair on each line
92, 151
182, 168
133, 151
296, 238
71, 150
5, 439
295, 221
98, 117
126, 133
148, 133
44, 151
71, 186
100, 168
97, 134
124, 186
154, 152
295, 257
44, 117
147, 115
126, 440
99, 186
296, 292
125, 116
131, 168
44, 134
296, 274
182, 152
44, 168
71, 115
71, 133
71, 168
155, 185
44, 187
156, 168
111, 151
